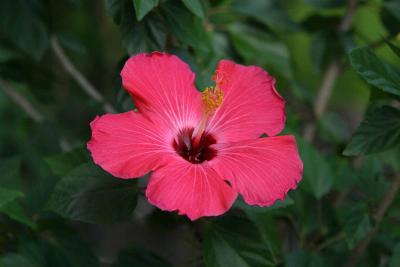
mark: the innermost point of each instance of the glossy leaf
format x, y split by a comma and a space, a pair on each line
142, 7
393, 6
7, 195
89, 194
61, 164
20, 22
375, 71
371, 180
258, 48
326, 3
378, 132
18, 213
303, 258
235, 242
187, 28
139, 257
196, 7
255, 209
356, 223
9, 169
317, 175
137, 36
395, 259
266, 11
324, 47
394, 48
15, 260
48, 254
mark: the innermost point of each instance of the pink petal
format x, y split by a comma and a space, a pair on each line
192, 189
128, 145
251, 104
263, 170
163, 84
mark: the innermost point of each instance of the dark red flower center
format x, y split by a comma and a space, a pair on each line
185, 145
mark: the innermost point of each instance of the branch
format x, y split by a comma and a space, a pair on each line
360, 248
21, 101
330, 75
30, 110
77, 76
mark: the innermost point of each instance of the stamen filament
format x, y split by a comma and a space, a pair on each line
212, 99
200, 130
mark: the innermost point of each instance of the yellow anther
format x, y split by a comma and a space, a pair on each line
212, 98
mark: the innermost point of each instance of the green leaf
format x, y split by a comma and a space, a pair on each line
196, 7
394, 48
375, 71
139, 257
61, 164
324, 47
371, 180
356, 222
395, 259
7, 53
378, 132
236, 242
20, 23
114, 9
390, 16
259, 48
334, 127
9, 170
89, 194
187, 28
393, 6
147, 35
15, 260
303, 258
256, 209
317, 175
142, 7
16, 211
266, 11
326, 3
60, 252
7, 196
78, 252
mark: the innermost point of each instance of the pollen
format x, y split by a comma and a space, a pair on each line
212, 98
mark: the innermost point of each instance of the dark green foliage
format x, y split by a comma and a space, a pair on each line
139, 257
21, 21
59, 209
317, 176
379, 131
142, 7
90, 194
234, 241
375, 71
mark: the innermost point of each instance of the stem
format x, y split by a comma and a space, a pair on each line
77, 76
362, 245
330, 75
331, 241
21, 101
29, 109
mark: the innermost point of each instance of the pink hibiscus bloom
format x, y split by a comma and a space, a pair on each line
202, 148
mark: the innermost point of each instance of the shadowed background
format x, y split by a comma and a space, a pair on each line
59, 68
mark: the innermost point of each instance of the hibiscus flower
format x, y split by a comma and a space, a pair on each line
202, 148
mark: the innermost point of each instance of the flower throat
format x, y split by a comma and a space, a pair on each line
194, 144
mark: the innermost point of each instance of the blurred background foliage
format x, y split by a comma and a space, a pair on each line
336, 63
